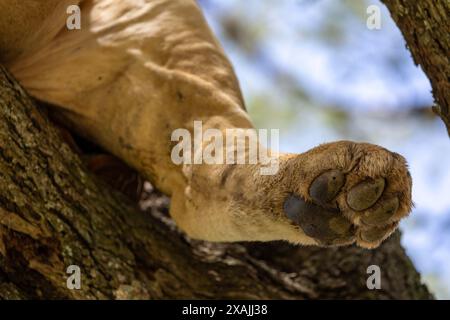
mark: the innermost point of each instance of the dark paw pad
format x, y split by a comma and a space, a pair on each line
365, 194
382, 213
326, 186
375, 234
325, 225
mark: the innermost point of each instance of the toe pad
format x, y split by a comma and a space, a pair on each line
365, 194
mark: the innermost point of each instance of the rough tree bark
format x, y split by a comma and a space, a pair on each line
54, 213
425, 25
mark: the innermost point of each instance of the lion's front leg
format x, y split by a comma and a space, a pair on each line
127, 81
336, 194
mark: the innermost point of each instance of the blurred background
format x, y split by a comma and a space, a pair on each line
313, 69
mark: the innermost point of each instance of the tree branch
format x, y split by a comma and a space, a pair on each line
425, 25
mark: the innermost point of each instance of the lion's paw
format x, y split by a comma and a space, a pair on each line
361, 199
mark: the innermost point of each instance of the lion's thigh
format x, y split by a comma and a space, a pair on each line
27, 24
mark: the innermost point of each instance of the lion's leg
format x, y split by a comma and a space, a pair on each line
26, 25
132, 75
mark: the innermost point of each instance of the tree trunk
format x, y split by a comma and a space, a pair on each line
54, 213
425, 25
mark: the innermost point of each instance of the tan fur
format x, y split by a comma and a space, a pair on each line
139, 69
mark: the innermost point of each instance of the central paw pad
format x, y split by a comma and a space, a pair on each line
324, 224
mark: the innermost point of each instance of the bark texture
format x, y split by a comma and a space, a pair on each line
54, 213
425, 25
